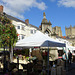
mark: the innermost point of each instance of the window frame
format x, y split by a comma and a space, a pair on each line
18, 27
31, 31
22, 27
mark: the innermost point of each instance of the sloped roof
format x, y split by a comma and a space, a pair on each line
18, 20
34, 26
44, 20
50, 22
13, 18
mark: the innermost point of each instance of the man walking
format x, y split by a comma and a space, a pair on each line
69, 57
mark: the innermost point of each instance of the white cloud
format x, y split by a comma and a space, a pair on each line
18, 7
67, 3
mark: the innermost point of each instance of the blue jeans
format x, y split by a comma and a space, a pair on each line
69, 61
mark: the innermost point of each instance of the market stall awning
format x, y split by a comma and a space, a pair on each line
39, 40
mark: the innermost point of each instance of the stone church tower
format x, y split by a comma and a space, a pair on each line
70, 33
46, 27
57, 30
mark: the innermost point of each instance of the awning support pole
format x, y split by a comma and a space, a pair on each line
48, 60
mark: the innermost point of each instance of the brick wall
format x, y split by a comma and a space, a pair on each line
1, 9
27, 21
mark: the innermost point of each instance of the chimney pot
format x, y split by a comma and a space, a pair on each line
1, 9
27, 21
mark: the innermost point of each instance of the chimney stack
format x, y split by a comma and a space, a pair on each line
1, 9
27, 21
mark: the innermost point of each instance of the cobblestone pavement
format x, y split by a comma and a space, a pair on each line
71, 69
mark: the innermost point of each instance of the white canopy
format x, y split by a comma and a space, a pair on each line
39, 40
71, 48
59, 48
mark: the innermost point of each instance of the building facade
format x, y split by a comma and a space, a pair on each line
71, 40
57, 30
46, 27
24, 29
70, 32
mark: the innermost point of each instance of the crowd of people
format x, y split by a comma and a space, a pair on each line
67, 59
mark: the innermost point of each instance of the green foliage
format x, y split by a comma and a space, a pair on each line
27, 52
5, 20
8, 34
22, 52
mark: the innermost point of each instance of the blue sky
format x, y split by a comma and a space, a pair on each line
60, 12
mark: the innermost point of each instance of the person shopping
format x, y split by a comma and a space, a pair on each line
69, 57
64, 59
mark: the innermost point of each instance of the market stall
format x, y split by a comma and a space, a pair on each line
40, 40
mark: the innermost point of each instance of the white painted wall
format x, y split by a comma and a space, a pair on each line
27, 29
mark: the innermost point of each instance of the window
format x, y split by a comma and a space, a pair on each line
46, 32
32, 31
18, 27
19, 37
22, 27
22, 36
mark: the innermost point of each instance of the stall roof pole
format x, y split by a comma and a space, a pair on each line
48, 60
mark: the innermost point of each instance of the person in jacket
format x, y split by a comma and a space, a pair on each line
64, 57
69, 57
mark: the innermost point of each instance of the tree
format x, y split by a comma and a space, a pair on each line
8, 33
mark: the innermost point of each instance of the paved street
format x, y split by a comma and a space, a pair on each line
71, 69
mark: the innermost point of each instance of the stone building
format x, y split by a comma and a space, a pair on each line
24, 29
46, 27
57, 30
71, 40
70, 34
